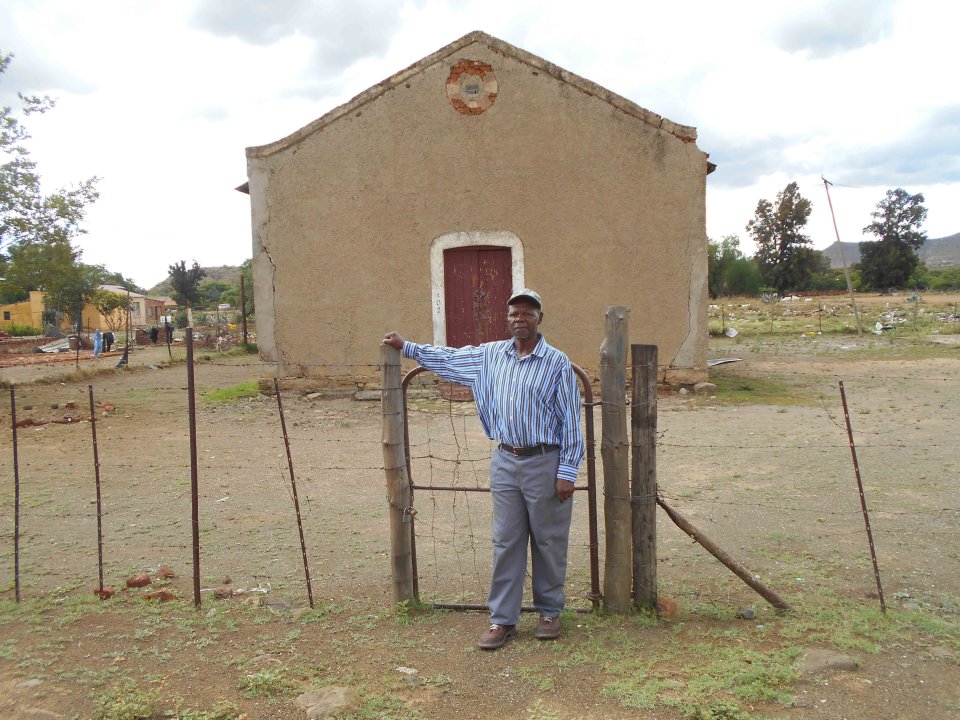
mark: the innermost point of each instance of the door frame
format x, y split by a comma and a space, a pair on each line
449, 241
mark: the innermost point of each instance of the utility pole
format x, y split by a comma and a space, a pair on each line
846, 273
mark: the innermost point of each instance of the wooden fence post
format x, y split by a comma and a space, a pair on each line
398, 482
616, 468
643, 480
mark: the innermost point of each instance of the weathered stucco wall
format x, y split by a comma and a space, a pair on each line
609, 208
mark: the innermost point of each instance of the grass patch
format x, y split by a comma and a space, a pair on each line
233, 393
267, 683
739, 389
127, 701
717, 678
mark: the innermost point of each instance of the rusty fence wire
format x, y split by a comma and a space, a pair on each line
772, 484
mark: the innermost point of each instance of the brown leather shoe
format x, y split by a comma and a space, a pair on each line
548, 628
496, 636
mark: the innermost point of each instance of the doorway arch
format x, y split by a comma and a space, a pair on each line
448, 241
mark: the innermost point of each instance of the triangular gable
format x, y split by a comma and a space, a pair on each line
681, 132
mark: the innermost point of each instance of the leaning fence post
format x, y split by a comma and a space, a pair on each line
863, 499
643, 479
16, 495
293, 485
96, 471
398, 481
194, 482
616, 469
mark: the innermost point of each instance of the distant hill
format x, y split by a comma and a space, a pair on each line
227, 273
935, 252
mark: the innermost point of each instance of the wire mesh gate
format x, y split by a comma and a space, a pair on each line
587, 403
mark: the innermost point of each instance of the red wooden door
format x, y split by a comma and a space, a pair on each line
477, 284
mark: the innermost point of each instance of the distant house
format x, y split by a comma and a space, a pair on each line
27, 312
421, 204
145, 312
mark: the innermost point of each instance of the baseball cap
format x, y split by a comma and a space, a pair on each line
526, 294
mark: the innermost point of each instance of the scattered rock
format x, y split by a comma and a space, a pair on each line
104, 594
253, 600
160, 596
107, 406
70, 405
221, 593
314, 395
165, 572
28, 407
226, 581
816, 660
333, 700
683, 391
666, 608
704, 388
55, 406
141, 580
277, 604
212, 613
911, 607
31, 683
941, 652
746, 613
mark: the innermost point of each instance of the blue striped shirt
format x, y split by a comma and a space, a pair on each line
521, 401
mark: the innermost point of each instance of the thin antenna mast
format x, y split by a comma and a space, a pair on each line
846, 273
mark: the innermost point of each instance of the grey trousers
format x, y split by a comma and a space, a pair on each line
526, 509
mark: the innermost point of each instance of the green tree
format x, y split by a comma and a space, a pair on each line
720, 255
783, 255
112, 306
729, 272
186, 283
115, 278
36, 229
891, 261
212, 292
71, 291
742, 277
232, 295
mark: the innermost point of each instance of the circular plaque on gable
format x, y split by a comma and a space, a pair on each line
471, 87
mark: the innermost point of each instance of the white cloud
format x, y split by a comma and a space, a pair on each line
160, 99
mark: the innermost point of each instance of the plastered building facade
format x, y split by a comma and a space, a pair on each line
575, 191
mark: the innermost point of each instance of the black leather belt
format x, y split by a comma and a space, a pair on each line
541, 449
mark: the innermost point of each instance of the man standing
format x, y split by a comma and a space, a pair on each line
529, 403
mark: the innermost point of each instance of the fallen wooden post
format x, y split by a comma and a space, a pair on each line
711, 547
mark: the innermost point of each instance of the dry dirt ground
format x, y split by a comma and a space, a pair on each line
763, 467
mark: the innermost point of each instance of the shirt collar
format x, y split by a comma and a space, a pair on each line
539, 349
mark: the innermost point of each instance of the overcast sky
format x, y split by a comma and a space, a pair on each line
159, 99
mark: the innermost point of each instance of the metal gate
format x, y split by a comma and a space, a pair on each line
587, 403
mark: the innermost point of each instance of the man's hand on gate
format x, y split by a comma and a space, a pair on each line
393, 340
564, 489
